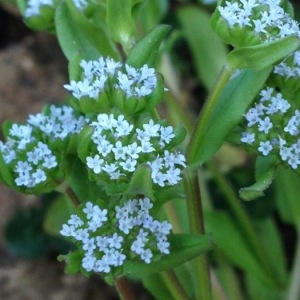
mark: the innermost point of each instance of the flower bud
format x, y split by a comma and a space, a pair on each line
247, 23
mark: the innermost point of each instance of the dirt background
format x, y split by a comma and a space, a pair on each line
32, 73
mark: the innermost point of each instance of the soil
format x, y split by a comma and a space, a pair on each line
32, 73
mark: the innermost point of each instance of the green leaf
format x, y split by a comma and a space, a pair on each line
264, 173
287, 195
272, 244
57, 214
151, 12
262, 56
166, 194
74, 68
258, 290
231, 241
84, 189
5, 173
84, 142
77, 35
73, 262
217, 121
156, 286
208, 50
119, 22
183, 247
146, 50
141, 182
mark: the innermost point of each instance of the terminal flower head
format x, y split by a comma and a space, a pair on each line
252, 22
112, 84
118, 146
130, 233
34, 151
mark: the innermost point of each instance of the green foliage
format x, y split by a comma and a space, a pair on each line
120, 23
209, 53
77, 35
215, 235
264, 173
184, 247
237, 250
218, 119
262, 56
146, 50
287, 195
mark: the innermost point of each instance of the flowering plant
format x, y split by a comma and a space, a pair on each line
146, 195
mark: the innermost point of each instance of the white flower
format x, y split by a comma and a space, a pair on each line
49, 162
75, 221
38, 176
266, 94
89, 245
88, 262
133, 150
82, 234
67, 230
120, 151
151, 129
248, 138
89, 210
23, 167
146, 256
285, 153
163, 246
265, 125
129, 165
294, 161
115, 241
265, 147
166, 135
95, 163
138, 246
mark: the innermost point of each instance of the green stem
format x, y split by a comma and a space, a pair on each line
242, 217
172, 215
171, 281
72, 196
294, 289
196, 223
123, 288
204, 116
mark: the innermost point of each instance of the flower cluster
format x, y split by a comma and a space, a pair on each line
290, 67
25, 153
118, 148
107, 239
273, 127
103, 74
260, 20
